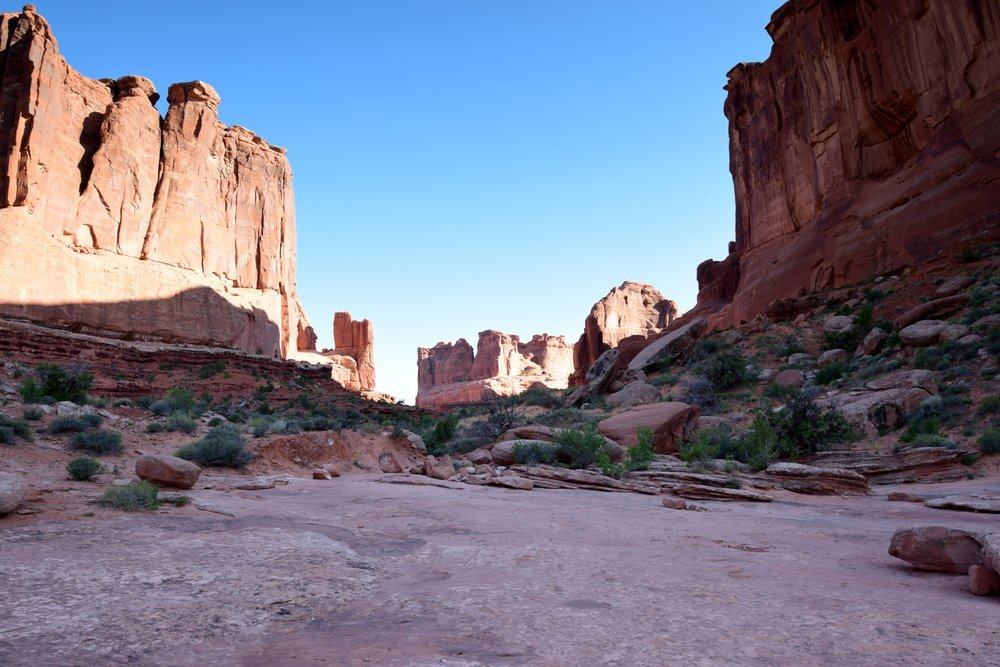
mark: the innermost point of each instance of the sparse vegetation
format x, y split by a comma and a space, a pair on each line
533, 453
135, 497
546, 398
175, 422
83, 468
501, 416
33, 413
701, 392
726, 369
56, 383
580, 448
989, 441
74, 424
221, 446
11, 429
211, 369
831, 373
99, 441
177, 399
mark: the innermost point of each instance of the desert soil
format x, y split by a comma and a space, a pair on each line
356, 570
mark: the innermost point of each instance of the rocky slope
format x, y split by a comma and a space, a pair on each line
175, 229
865, 143
451, 374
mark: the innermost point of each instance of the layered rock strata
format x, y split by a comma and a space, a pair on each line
865, 143
452, 374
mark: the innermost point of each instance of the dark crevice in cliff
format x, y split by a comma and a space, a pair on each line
90, 140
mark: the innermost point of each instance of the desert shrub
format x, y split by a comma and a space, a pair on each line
726, 369
136, 497
708, 444
931, 440
99, 441
640, 455
221, 446
32, 413
700, 391
832, 372
849, 340
580, 448
990, 405
926, 421
74, 424
501, 416
215, 421
464, 445
177, 399
566, 418
545, 398
778, 391
175, 422
989, 441
313, 423
445, 429
83, 468
664, 379
56, 382
533, 453
211, 369
11, 429
948, 354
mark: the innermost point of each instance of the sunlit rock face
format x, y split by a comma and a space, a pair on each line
176, 229
631, 309
866, 142
355, 340
451, 374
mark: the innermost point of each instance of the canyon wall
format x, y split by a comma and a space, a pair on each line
451, 374
868, 141
119, 222
629, 310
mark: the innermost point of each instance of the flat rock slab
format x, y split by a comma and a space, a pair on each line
989, 504
703, 492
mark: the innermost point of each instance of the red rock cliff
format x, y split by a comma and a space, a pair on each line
356, 339
866, 142
177, 229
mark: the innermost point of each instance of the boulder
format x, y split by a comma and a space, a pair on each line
789, 377
937, 548
900, 497
884, 402
321, 473
669, 346
953, 332
817, 481
838, 324
597, 377
983, 580
705, 492
388, 463
922, 333
674, 503
953, 285
836, 356
635, 393
12, 491
932, 310
671, 423
984, 324
970, 503
164, 470
480, 457
513, 482
439, 467
799, 359
872, 342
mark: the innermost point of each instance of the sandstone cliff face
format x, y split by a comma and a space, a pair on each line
866, 142
140, 208
631, 309
451, 374
356, 339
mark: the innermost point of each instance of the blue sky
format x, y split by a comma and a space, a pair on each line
462, 165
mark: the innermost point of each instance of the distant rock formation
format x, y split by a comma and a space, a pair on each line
865, 143
631, 309
355, 340
451, 374
122, 223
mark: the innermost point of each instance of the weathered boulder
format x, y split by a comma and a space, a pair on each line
800, 359
884, 402
481, 457
631, 309
838, 324
635, 393
901, 497
321, 473
871, 343
953, 332
669, 346
920, 464
13, 488
985, 579
936, 309
388, 463
439, 467
817, 481
922, 333
971, 503
986, 323
937, 548
512, 482
704, 492
164, 470
790, 377
598, 376
953, 285
671, 423
836, 356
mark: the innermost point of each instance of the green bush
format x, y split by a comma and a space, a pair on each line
136, 497
32, 413
832, 372
221, 446
640, 455
61, 384
177, 399
545, 398
990, 405
931, 440
989, 441
579, 448
566, 418
921, 425
74, 424
83, 468
533, 453
11, 428
501, 416
849, 340
779, 391
726, 369
700, 391
211, 369
99, 442
175, 422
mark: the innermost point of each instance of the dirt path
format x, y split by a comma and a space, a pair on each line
354, 571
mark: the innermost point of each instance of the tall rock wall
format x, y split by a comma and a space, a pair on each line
142, 211
356, 339
631, 309
451, 374
869, 140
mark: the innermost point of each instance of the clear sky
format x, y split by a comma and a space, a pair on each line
463, 165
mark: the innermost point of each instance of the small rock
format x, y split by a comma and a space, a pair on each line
936, 548
799, 359
836, 356
922, 333
838, 324
765, 374
872, 343
790, 377
480, 457
164, 470
983, 580
674, 503
388, 463
13, 488
321, 473
900, 497
953, 285
953, 332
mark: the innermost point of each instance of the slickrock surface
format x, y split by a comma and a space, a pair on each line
177, 229
866, 142
631, 309
451, 374
348, 571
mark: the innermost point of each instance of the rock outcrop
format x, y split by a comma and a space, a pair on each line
865, 143
631, 309
176, 229
354, 352
451, 374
